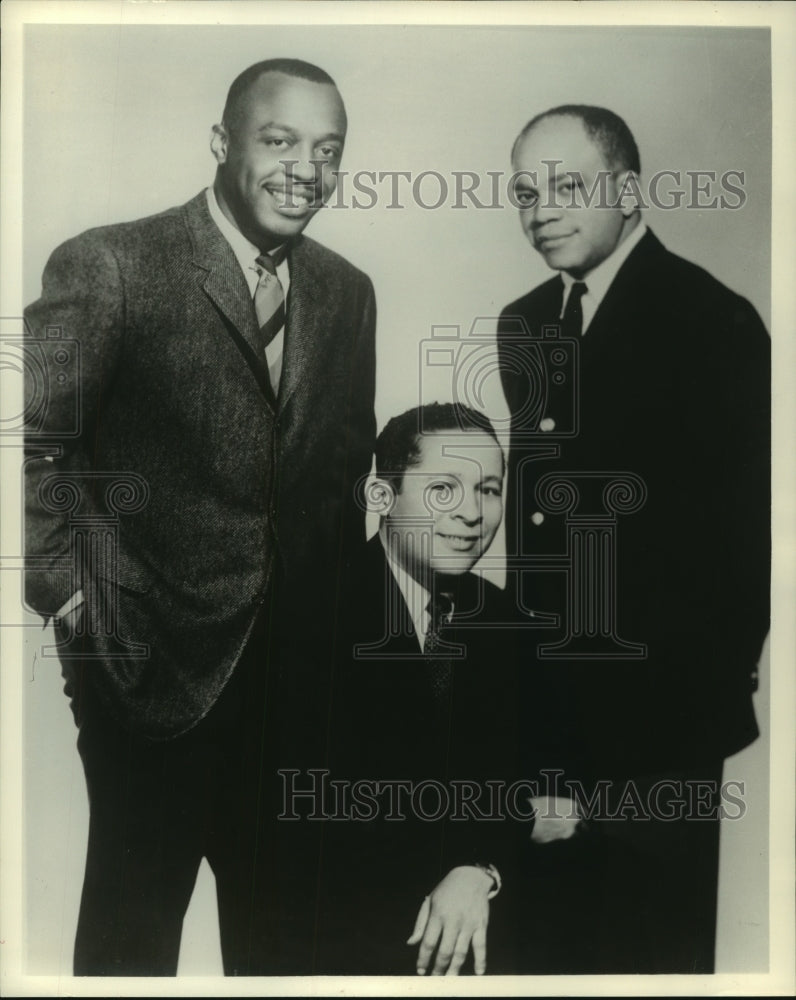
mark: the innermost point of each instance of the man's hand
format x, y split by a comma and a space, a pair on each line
556, 819
455, 915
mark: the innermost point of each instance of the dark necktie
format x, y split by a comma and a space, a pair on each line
572, 320
269, 300
434, 647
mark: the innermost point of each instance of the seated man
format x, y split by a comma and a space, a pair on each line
422, 721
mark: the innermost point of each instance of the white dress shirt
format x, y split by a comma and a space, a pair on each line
414, 594
247, 254
599, 279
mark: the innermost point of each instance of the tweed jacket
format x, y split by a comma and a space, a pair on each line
166, 433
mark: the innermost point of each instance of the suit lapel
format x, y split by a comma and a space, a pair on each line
223, 282
622, 293
378, 608
624, 296
308, 318
546, 309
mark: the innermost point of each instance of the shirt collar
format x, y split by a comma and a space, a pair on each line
245, 251
414, 594
599, 278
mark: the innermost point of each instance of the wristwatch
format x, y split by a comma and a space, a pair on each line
494, 874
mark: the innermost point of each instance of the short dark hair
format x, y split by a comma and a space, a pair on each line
606, 130
241, 84
398, 445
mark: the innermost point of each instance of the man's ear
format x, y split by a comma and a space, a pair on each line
219, 141
380, 496
629, 197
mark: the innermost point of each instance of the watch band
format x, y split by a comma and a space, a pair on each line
494, 874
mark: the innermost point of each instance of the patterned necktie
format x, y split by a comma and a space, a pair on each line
572, 320
269, 300
434, 647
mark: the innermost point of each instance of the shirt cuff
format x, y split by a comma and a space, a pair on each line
74, 602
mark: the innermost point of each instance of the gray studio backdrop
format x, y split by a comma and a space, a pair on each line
116, 126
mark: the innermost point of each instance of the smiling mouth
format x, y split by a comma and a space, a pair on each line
545, 242
294, 200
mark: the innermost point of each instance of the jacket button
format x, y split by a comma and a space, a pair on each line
537, 517
547, 424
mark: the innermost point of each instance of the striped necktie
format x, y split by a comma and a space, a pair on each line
269, 300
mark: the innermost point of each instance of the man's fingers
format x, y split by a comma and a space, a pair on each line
450, 935
479, 950
420, 923
428, 944
459, 954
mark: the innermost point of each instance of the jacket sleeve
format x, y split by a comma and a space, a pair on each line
744, 374
362, 420
73, 340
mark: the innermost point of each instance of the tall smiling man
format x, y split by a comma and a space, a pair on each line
648, 685
227, 372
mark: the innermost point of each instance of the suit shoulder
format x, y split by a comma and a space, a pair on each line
333, 262
691, 275
118, 236
704, 295
97, 257
493, 599
491, 591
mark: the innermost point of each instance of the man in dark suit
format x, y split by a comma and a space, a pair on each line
425, 706
659, 495
224, 407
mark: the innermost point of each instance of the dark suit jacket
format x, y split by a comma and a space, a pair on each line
674, 387
384, 682
237, 487
384, 723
